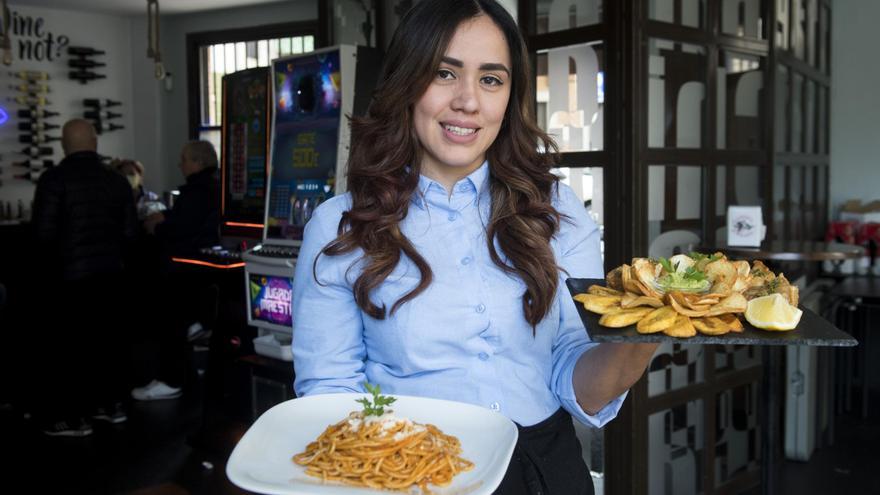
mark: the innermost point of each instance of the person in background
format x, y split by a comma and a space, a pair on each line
84, 220
146, 201
192, 223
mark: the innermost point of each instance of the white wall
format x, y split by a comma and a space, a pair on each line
103, 32
172, 108
855, 102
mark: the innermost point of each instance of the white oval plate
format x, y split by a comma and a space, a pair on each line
262, 460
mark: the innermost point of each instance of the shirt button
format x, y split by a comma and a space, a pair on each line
483, 356
463, 188
466, 260
453, 216
480, 308
495, 406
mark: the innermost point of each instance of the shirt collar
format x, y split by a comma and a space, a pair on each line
478, 179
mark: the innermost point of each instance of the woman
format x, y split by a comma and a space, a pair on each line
147, 201
441, 271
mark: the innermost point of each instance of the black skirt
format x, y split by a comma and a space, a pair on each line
547, 460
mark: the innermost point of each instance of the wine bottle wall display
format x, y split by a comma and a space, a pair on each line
102, 118
31, 91
83, 66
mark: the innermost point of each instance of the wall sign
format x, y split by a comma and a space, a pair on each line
34, 41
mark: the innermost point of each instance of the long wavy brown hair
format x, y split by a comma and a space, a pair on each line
384, 165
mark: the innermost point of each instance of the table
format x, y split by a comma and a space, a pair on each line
790, 251
784, 250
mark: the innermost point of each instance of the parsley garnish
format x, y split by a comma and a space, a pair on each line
692, 273
376, 407
666, 265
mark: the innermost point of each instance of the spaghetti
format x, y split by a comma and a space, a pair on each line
385, 453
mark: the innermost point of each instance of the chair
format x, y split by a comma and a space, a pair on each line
673, 242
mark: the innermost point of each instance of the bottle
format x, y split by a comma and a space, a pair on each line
30, 88
34, 164
83, 50
85, 76
38, 101
99, 115
96, 102
36, 126
36, 113
37, 151
106, 127
31, 175
37, 138
30, 75
85, 64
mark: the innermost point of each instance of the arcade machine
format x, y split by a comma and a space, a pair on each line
312, 95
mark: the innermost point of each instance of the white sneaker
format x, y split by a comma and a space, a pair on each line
156, 390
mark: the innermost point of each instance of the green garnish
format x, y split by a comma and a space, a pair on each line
690, 278
692, 273
759, 272
771, 286
666, 265
376, 407
700, 256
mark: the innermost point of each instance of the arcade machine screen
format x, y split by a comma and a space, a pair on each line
269, 303
245, 147
307, 109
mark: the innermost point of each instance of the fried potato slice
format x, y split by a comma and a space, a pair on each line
630, 284
657, 320
710, 325
630, 300
691, 301
624, 317
598, 290
682, 328
676, 300
732, 321
599, 304
734, 303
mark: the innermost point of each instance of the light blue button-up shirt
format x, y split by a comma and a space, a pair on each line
465, 337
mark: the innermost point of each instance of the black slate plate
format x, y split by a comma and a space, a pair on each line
812, 329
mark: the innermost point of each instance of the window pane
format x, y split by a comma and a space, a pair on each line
213, 137
570, 96
208, 86
240, 56
795, 202
779, 204
740, 111
797, 114
798, 31
810, 117
822, 124
743, 18
298, 44
273, 49
262, 53
251, 54
823, 39
587, 184
285, 46
782, 98
739, 185
229, 49
676, 439
676, 94
690, 13
309, 43
559, 15
675, 204
811, 22
807, 206
738, 427
782, 22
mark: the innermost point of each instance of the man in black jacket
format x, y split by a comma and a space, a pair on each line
191, 224
84, 219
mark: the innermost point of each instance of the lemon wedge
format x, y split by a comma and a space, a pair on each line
772, 313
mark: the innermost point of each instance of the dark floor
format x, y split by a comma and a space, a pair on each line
160, 451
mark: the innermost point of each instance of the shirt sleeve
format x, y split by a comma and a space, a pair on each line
328, 346
580, 255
